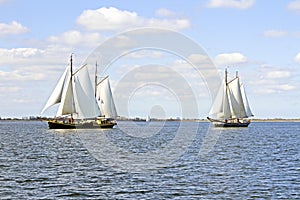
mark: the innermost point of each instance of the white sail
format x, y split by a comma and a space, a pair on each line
67, 101
57, 92
236, 100
217, 106
84, 98
221, 106
226, 105
105, 99
246, 103
148, 118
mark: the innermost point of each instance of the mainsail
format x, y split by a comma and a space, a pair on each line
105, 99
221, 106
84, 98
236, 100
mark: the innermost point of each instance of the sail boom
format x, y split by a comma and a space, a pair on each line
103, 79
74, 73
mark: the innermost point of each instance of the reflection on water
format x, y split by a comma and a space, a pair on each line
261, 161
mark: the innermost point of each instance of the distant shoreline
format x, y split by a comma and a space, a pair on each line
171, 119
275, 120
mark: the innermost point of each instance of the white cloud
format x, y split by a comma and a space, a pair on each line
75, 38
31, 63
278, 74
4, 89
238, 4
107, 19
146, 82
273, 80
275, 33
198, 58
13, 28
285, 87
146, 54
53, 55
274, 88
273, 73
297, 58
230, 59
294, 6
122, 41
21, 57
162, 12
112, 19
3, 2
21, 75
17, 53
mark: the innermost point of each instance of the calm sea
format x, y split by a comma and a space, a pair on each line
171, 160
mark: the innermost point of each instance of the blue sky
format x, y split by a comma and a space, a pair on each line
260, 39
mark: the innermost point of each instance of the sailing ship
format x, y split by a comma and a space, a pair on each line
78, 107
231, 107
148, 119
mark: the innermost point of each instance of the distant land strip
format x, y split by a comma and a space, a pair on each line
31, 118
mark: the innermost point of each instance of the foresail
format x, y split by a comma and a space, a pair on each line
57, 92
105, 99
84, 98
217, 105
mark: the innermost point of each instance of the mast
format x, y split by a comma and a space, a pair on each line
226, 77
227, 95
71, 80
96, 80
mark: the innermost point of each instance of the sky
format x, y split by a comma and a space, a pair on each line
259, 39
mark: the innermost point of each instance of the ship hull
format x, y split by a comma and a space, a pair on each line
85, 125
233, 125
220, 123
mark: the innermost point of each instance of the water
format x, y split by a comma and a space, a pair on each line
258, 162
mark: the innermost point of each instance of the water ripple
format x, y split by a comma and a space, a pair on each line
260, 162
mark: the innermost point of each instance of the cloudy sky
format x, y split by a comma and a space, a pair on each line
260, 39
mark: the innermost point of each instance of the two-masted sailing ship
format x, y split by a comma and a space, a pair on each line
231, 107
78, 105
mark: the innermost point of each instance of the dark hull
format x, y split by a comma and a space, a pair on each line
219, 123
86, 125
216, 124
